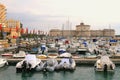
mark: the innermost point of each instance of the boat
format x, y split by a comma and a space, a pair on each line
50, 64
1, 48
29, 64
3, 62
11, 47
66, 54
66, 64
41, 56
43, 48
51, 45
62, 49
7, 55
52, 53
104, 64
34, 50
88, 55
21, 54
84, 53
40, 66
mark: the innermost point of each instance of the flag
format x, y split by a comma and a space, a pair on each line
42, 32
26, 30
0, 26
33, 31
30, 32
46, 34
22, 31
38, 31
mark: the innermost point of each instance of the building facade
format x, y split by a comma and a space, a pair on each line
2, 15
15, 27
83, 30
11, 23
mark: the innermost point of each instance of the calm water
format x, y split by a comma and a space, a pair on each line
81, 73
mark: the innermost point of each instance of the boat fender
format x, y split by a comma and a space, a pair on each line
29, 66
111, 67
24, 66
105, 67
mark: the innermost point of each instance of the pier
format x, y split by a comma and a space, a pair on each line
78, 60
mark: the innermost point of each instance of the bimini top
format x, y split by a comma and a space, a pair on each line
105, 59
29, 58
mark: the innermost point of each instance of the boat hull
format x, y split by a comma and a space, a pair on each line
66, 65
3, 62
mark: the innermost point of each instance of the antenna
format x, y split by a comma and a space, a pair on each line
110, 30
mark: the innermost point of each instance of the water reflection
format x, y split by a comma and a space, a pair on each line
104, 75
26, 76
48, 75
45, 75
61, 75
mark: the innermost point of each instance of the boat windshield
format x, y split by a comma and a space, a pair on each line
52, 51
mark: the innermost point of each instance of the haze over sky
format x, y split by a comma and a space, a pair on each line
48, 14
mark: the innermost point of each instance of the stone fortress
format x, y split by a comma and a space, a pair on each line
82, 30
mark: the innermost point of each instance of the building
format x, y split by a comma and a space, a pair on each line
11, 23
2, 15
83, 30
109, 32
15, 27
117, 37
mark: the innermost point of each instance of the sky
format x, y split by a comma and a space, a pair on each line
48, 14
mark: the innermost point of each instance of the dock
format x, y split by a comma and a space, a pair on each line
78, 60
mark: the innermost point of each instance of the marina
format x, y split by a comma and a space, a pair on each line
58, 54
49, 47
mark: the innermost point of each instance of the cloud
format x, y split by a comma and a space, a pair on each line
38, 21
53, 13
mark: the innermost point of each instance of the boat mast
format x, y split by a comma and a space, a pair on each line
62, 29
68, 24
110, 30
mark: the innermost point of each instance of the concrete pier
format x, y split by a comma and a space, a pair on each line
78, 60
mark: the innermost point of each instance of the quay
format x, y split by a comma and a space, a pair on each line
78, 60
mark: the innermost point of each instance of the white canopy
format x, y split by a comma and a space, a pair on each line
65, 55
65, 60
105, 60
32, 60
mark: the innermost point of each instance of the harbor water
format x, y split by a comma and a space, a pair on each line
82, 72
